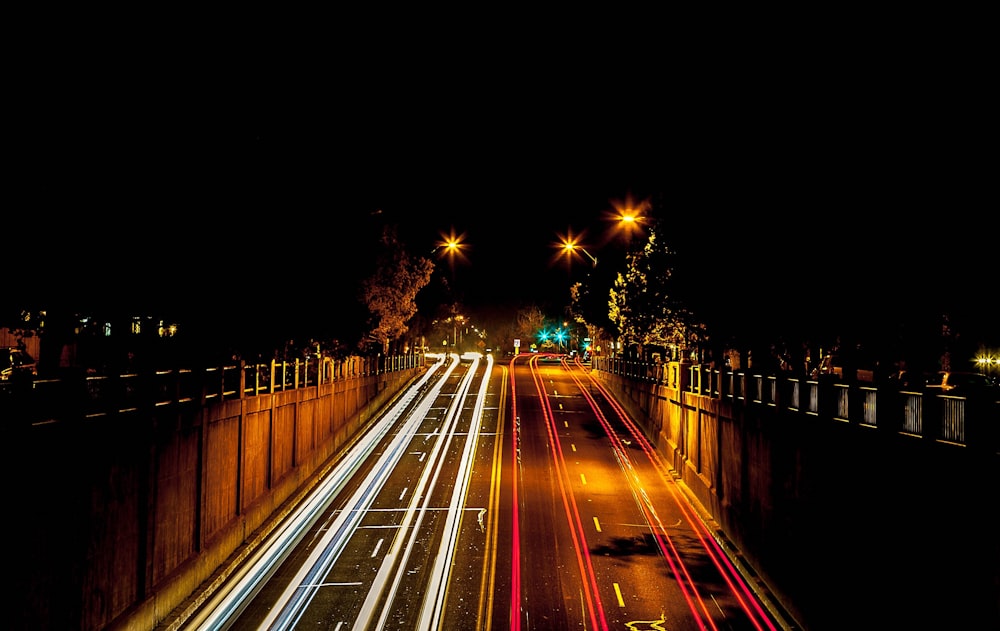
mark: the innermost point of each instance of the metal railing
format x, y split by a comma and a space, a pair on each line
936, 416
94, 396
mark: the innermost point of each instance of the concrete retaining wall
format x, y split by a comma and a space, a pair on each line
847, 526
125, 520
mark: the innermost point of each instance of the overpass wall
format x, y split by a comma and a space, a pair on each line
130, 517
126, 519
846, 525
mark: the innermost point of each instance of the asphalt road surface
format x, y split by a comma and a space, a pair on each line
516, 495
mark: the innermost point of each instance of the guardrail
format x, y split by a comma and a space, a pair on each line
954, 419
93, 396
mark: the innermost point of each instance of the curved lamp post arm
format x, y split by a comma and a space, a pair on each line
570, 247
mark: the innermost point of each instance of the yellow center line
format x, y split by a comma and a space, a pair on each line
488, 577
618, 593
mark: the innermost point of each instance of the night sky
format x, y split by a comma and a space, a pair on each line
795, 204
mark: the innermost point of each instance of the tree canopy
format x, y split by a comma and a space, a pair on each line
644, 303
391, 291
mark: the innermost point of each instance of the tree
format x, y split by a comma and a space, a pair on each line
643, 305
530, 320
502, 335
390, 292
599, 328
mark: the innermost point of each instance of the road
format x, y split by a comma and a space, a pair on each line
516, 495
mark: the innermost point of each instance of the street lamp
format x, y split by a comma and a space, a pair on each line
629, 216
450, 246
569, 247
454, 329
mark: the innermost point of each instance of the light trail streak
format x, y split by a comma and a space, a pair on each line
688, 587
435, 597
301, 590
515, 553
744, 595
484, 619
595, 605
426, 484
245, 583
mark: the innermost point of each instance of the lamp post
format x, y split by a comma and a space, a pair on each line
454, 329
452, 245
629, 217
569, 247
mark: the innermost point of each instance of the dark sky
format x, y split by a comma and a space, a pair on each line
825, 196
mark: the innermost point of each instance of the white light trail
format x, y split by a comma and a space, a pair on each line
295, 598
427, 482
226, 604
434, 596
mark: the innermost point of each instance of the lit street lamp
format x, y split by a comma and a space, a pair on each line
629, 217
454, 329
450, 247
569, 247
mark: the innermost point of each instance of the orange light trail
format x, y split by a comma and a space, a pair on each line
664, 542
740, 590
515, 571
595, 606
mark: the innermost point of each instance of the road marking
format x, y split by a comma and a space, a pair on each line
348, 584
652, 624
597, 524
583, 479
618, 593
377, 546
